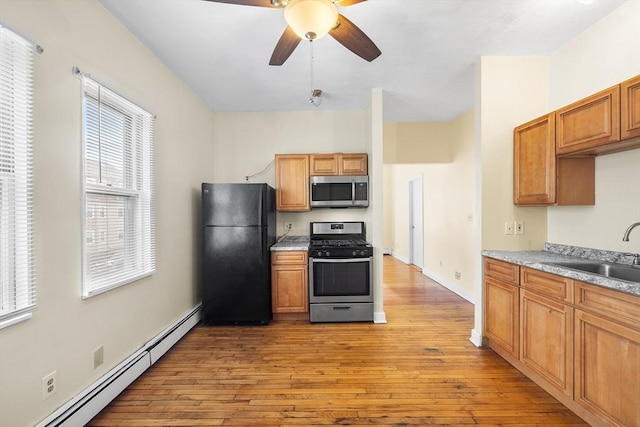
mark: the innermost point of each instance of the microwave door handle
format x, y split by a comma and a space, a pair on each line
353, 191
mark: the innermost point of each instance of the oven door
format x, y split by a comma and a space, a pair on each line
340, 280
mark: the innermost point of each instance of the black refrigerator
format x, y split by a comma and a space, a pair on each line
239, 226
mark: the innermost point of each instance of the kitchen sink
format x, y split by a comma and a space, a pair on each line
616, 271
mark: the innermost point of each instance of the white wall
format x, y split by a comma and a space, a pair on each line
65, 329
246, 143
604, 55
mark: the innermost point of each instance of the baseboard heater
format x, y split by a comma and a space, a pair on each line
86, 405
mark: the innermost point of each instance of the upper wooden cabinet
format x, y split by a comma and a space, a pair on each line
352, 164
630, 107
338, 164
589, 123
292, 182
541, 178
534, 149
323, 164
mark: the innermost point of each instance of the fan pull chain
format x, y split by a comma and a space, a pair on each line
314, 94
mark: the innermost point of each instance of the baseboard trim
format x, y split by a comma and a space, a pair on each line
400, 257
379, 317
450, 285
89, 402
476, 338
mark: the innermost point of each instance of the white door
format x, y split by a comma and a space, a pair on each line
416, 254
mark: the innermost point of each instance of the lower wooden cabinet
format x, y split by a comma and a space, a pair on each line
580, 342
501, 315
546, 339
607, 367
289, 284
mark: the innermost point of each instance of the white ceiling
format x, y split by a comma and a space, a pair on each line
429, 48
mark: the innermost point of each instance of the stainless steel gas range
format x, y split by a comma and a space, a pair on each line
340, 273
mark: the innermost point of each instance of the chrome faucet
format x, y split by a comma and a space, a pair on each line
625, 238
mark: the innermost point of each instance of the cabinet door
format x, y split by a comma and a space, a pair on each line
587, 125
630, 108
534, 148
292, 182
607, 369
352, 164
501, 315
290, 293
546, 339
323, 164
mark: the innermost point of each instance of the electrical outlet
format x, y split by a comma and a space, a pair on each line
288, 226
98, 356
508, 227
457, 275
49, 385
519, 227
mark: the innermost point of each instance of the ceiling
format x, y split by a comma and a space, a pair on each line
429, 48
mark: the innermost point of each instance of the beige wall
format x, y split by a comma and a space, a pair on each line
65, 329
448, 199
599, 58
513, 90
419, 142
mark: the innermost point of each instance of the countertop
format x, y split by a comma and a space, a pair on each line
563, 253
291, 243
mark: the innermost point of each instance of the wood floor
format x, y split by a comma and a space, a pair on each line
419, 369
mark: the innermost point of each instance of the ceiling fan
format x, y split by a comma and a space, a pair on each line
311, 20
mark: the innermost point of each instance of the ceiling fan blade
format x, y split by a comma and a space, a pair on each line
354, 39
343, 3
259, 3
285, 47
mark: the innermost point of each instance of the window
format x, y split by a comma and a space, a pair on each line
17, 277
119, 243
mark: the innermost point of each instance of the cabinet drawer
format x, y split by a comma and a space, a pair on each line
618, 306
289, 257
503, 271
549, 285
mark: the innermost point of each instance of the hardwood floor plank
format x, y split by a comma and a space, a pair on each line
419, 369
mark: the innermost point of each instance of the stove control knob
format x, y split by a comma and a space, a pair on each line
362, 253
319, 253
354, 253
327, 253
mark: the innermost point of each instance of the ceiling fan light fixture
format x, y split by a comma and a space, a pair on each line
311, 19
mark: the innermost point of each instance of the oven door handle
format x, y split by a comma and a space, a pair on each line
340, 260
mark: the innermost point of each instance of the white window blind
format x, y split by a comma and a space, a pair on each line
17, 276
118, 235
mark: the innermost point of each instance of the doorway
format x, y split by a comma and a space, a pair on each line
416, 231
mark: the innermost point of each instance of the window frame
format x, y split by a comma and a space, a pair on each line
17, 267
135, 192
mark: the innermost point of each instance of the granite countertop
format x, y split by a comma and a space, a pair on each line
562, 253
291, 243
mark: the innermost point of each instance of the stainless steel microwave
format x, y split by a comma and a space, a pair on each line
344, 191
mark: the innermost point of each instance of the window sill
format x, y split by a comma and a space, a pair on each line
16, 319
